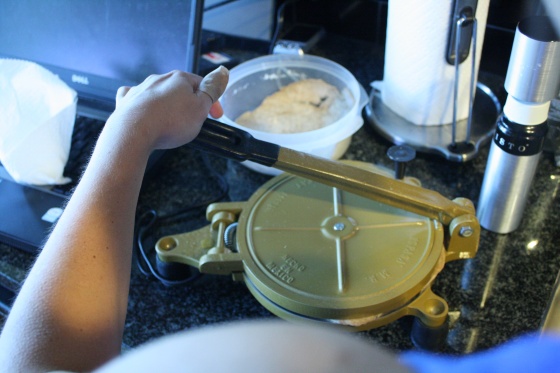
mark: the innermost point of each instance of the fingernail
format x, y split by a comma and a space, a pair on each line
222, 69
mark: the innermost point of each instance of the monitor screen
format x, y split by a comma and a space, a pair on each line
96, 46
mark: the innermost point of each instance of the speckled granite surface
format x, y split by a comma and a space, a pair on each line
501, 293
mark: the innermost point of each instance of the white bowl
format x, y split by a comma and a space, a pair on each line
252, 81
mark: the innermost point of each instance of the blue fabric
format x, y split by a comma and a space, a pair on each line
530, 353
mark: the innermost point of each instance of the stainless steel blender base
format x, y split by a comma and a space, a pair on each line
438, 139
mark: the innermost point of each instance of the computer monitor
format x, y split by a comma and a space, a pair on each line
97, 46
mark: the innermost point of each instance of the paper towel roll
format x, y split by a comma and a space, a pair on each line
418, 83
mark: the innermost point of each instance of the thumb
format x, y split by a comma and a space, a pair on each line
214, 83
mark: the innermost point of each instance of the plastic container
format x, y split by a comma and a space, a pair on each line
252, 81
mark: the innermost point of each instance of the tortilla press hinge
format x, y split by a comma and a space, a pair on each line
463, 234
205, 248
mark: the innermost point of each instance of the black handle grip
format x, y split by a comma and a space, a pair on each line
230, 142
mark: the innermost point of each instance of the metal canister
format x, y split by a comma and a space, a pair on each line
532, 81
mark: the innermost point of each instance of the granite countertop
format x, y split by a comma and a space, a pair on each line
501, 293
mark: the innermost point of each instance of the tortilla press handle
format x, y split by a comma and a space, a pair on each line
230, 142
459, 215
233, 143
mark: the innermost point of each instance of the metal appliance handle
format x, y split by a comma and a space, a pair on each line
233, 143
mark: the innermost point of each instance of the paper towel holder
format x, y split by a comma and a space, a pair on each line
462, 32
462, 29
483, 107
436, 139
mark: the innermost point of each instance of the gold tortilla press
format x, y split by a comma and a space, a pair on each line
329, 242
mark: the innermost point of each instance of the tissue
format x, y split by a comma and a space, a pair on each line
418, 83
37, 113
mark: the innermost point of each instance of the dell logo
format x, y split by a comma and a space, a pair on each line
80, 79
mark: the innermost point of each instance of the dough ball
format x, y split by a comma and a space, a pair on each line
305, 105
